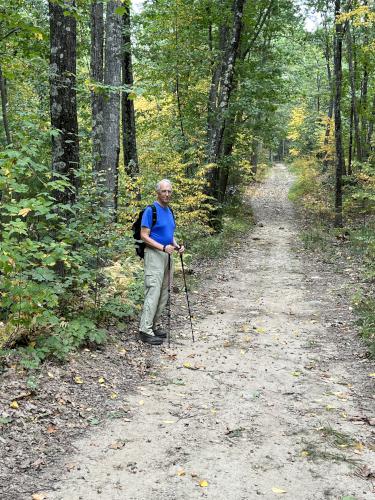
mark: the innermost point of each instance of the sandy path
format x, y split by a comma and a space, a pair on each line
259, 410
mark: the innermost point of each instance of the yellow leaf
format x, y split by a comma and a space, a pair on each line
141, 402
371, 374
168, 421
38, 36
113, 395
359, 446
181, 472
78, 379
24, 211
101, 380
187, 365
305, 453
278, 491
296, 374
50, 374
203, 483
260, 329
14, 405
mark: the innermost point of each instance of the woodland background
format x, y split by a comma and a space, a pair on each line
99, 102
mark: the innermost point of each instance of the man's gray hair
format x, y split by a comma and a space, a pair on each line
160, 182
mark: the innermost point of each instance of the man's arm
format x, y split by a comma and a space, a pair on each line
145, 236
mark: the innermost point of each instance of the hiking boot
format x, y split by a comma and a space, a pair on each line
150, 339
159, 333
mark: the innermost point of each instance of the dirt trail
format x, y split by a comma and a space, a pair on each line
262, 402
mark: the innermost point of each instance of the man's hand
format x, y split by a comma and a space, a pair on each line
169, 249
181, 249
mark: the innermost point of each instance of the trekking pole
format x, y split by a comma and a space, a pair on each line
169, 301
187, 296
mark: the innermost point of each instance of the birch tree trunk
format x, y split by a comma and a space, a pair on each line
340, 162
128, 115
97, 45
226, 87
111, 106
4, 107
63, 102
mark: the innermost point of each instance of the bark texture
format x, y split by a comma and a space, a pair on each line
63, 102
128, 114
97, 99
111, 106
4, 107
226, 87
340, 162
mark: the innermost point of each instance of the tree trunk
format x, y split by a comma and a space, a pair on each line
350, 148
128, 115
63, 102
4, 106
352, 78
215, 80
111, 106
340, 162
226, 87
327, 55
97, 44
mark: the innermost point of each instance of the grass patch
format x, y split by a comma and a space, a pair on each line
312, 452
365, 310
237, 220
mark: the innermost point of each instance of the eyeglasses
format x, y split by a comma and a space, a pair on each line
165, 191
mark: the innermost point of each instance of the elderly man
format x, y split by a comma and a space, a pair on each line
160, 245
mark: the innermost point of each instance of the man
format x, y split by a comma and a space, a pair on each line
160, 245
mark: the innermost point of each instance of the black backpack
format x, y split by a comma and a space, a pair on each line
136, 227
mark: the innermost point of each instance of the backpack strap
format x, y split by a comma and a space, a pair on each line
154, 215
170, 208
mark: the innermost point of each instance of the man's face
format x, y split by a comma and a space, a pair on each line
165, 193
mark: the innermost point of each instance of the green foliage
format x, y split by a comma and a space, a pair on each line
53, 260
365, 308
236, 221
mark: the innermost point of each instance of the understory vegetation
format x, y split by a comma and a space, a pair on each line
99, 102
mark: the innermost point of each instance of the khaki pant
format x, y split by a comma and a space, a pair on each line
156, 288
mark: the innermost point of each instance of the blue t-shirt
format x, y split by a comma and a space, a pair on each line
163, 230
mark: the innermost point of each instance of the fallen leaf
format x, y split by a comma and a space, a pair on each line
38, 496
371, 374
260, 329
168, 421
51, 429
296, 374
50, 374
203, 483
14, 405
113, 395
101, 380
190, 367
78, 379
181, 472
141, 402
117, 445
278, 491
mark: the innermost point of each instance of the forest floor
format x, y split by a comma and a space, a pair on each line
275, 397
